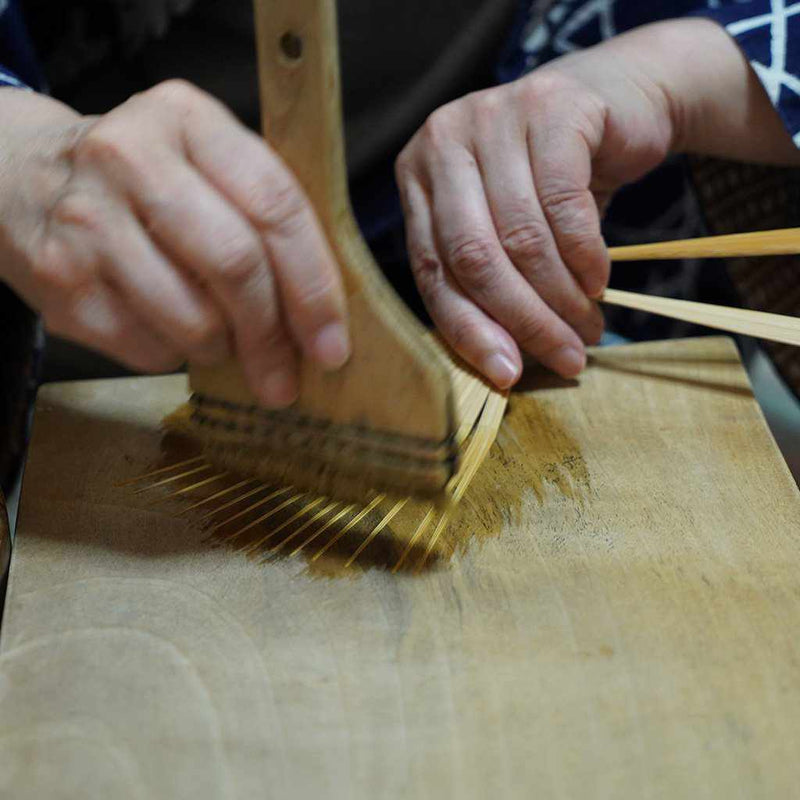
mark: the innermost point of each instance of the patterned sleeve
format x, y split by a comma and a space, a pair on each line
8, 78
768, 31
18, 64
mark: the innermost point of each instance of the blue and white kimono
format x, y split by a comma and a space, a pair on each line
768, 31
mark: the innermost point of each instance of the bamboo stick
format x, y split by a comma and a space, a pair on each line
759, 243
772, 327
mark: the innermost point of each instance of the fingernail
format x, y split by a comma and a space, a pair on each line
331, 346
500, 370
569, 361
279, 389
594, 286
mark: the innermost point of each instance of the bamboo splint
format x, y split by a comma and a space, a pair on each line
736, 245
249, 515
762, 325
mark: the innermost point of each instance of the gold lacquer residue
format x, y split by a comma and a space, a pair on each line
532, 453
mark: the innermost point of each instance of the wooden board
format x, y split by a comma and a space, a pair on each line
633, 630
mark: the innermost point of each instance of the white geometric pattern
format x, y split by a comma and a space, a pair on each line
570, 25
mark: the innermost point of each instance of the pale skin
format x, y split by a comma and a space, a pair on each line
164, 232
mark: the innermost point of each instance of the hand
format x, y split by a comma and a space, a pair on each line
163, 232
503, 189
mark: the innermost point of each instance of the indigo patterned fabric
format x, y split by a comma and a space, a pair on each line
18, 63
768, 31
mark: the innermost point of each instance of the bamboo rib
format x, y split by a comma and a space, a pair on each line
258, 504
482, 440
173, 478
758, 243
312, 517
772, 327
264, 517
306, 509
391, 514
307, 524
350, 525
161, 471
216, 496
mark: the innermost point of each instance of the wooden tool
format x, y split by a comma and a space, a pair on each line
619, 620
387, 419
772, 327
736, 245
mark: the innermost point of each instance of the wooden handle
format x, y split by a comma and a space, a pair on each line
760, 243
396, 381
300, 98
772, 327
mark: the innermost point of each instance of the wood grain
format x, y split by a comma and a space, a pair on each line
626, 625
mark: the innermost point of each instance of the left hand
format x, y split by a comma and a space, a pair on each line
503, 228
503, 189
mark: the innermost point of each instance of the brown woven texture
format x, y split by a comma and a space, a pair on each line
736, 198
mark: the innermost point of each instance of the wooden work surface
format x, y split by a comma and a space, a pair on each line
634, 633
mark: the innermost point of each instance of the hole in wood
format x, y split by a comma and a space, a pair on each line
291, 46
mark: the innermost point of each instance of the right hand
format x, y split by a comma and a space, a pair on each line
166, 232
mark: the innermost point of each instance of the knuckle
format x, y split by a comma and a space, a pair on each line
281, 209
526, 241
239, 261
201, 332
404, 165
55, 270
472, 260
427, 268
563, 200
316, 298
548, 83
177, 93
487, 105
530, 329
105, 145
160, 212
463, 333
79, 210
438, 127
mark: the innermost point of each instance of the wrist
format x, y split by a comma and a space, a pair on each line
714, 101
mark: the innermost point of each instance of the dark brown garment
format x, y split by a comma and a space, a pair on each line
736, 198
18, 353
400, 60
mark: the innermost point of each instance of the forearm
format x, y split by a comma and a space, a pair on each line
716, 104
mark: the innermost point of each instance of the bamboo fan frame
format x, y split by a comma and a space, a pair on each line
271, 521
